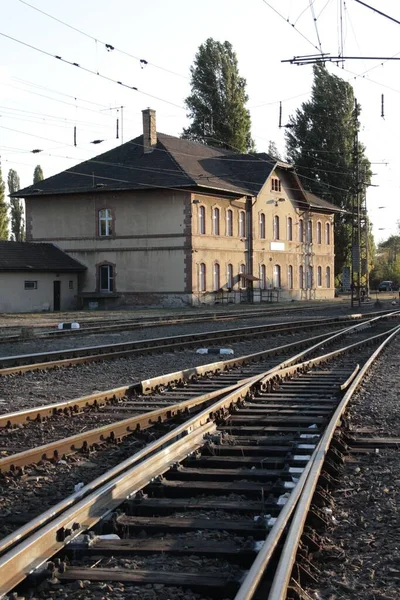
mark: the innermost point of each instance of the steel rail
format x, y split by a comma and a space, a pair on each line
56, 358
49, 538
90, 326
147, 386
119, 429
300, 500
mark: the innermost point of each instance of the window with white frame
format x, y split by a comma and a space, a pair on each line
327, 234
301, 230
30, 285
319, 276
290, 229
229, 276
262, 226
229, 223
105, 222
216, 221
319, 234
202, 277
263, 277
275, 185
106, 278
216, 277
202, 220
277, 276
290, 277
242, 273
242, 224
328, 277
276, 227
301, 277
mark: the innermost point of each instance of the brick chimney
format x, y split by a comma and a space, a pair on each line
149, 130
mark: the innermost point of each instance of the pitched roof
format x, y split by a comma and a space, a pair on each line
321, 204
26, 256
174, 163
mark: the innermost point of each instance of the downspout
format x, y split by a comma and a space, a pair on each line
249, 246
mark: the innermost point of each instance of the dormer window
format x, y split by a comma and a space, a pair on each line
275, 185
105, 222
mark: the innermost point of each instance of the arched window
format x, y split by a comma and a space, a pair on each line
301, 230
202, 277
229, 276
319, 235
319, 276
327, 234
289, 229
105, 222
216, 221
262, 226
276, 228
290, 277
277, 276
328, 277
310, 277
242, 272
229, 223
202, 220
301, 277
309, 232
263, 277
216, 277
242, 224
106, 278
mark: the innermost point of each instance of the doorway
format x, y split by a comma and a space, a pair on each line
56, 295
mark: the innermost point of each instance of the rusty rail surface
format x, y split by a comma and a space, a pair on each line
68, 357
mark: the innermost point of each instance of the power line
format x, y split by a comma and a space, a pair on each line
292, 24
315, 24
379, 12
109, 47
87, 70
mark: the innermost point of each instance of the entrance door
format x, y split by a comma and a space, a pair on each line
56, 295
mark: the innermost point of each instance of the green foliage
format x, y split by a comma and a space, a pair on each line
217, 101
273, 150
38, 174
387, 262
16, 208
3, 211
320, 143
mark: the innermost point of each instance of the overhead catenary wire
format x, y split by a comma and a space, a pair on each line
87, 70
109, 47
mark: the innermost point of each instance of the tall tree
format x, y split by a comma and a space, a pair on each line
273, 150
320, 143
17, 210
217, 101
38, 174
3, 211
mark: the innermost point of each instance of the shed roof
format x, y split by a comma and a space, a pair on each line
27, 256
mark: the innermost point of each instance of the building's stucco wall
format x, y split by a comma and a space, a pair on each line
14, 298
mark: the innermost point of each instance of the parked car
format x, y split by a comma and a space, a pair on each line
385, 286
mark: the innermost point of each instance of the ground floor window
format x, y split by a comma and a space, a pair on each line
242, 279
217, 284
301, 277
290, 277
229, 276
202, 277
277, 276
30, 285
328, 277
106, 278
263, 277
319, 276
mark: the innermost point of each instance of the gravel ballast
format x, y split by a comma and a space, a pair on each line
360, 557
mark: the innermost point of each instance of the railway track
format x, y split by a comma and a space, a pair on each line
10, 365
93, 326
213, 495
113, 414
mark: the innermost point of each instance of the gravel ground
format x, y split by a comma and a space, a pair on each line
37, 388
43, 345
361, 553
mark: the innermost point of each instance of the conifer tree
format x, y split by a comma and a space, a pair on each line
3, 211
16, 208
38, 174
217, 103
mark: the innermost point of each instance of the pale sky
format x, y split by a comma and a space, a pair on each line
42, 98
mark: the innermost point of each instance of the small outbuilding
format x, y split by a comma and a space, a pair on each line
36, 277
